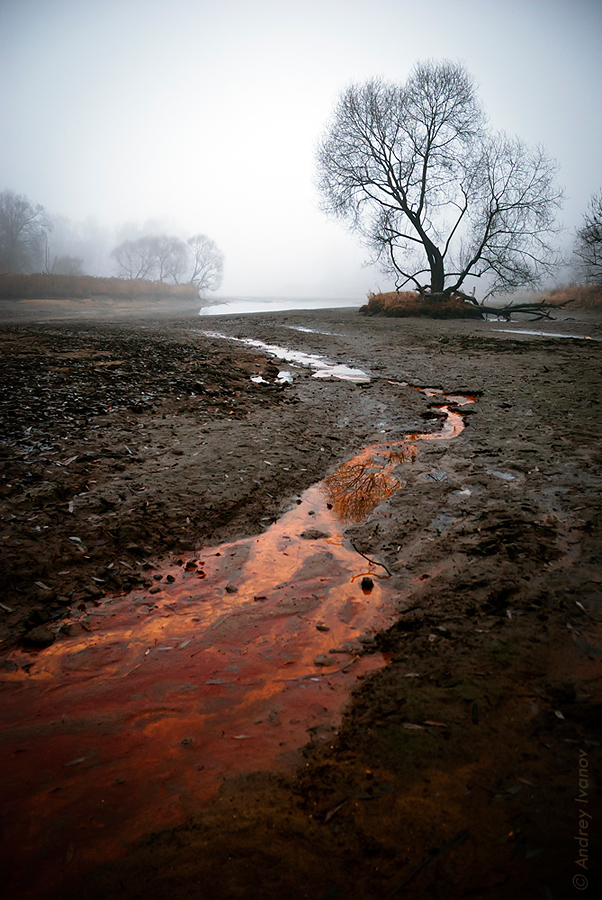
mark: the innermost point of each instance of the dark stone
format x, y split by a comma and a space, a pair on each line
38, 616
135, 549
39, 637
314, 534
71, 629
324, 661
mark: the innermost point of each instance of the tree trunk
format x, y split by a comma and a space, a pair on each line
437, 273
436, 265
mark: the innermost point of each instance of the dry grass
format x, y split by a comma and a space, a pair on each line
46, 287
411, 303
582, 296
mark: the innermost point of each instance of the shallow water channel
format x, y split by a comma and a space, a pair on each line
322, 367
235, 658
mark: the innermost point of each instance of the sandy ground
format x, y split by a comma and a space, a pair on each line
455, 768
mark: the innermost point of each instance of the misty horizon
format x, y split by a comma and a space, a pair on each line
126, 118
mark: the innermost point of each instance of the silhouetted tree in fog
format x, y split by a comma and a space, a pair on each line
163, 257
172, 258
135, 258
431, 190
588, 245
207, 263
23, 227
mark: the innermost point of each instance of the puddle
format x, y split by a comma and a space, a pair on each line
505, 476
311, 330
547, 334
283, 377
230, 306
229, 664
324, 368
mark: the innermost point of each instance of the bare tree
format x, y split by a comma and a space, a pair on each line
156, 256
172, 258
23, 226
207, 263
588, 244
134, 258
432, 192
165, 257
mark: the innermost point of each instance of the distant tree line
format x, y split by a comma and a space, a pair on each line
164, 257
25, 248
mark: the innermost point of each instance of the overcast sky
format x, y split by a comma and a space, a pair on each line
205, 114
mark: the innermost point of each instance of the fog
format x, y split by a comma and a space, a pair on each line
204, 117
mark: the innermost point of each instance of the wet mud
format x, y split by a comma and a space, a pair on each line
438, 558
267, 636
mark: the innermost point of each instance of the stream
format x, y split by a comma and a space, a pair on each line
231, 661
322, 367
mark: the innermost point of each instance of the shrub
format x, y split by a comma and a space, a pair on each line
411, 303
581, 296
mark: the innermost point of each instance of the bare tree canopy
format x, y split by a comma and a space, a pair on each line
23, 227
134, 258
165, 257
434, 194
207, 263
160, 257
588, 245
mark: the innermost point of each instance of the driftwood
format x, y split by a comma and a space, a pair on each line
455, 304
542, 309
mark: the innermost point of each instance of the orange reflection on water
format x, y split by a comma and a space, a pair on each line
230, 668
361, 483
131, 727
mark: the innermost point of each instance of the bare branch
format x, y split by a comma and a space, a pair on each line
588, 243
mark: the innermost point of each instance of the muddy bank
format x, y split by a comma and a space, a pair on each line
469, 740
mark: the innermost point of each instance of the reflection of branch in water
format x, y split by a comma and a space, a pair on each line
361, 483
374, 562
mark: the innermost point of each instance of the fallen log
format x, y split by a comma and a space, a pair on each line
542, 309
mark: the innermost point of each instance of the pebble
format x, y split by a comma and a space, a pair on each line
324, 661
39, 637
71, 629
314, 534
135, 549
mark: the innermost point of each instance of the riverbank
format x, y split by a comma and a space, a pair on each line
127, 442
